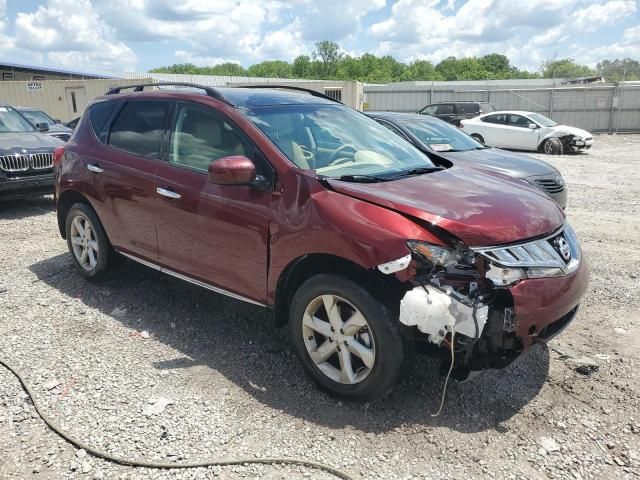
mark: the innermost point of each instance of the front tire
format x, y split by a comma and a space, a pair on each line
347, 340
477, 137
88, 244
552, 146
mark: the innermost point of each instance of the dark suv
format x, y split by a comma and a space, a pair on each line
26, 157
360, 243
454, 112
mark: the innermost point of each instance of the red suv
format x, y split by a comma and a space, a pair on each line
365, 247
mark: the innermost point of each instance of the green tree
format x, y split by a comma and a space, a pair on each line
564, 68
615, 70
469, 68
302, 67
328, 53
271, 69
421, 70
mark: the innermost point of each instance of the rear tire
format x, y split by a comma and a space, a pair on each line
552, 146
477, 137
88, 244
347, 340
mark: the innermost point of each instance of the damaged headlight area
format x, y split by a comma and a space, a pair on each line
450, 292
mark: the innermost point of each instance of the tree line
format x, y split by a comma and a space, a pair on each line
327, 62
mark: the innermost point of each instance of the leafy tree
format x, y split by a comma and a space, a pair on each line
564, 67
302, 67
468, 68
616, 70
328, 53
271, 68
421, 70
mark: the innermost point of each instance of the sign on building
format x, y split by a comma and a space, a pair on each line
34, 86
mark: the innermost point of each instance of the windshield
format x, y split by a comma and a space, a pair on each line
542, 120
337, 141
440, 136
12, 121
36, 116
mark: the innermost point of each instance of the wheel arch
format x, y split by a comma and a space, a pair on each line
299, 270
64, 203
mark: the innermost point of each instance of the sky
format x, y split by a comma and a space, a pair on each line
137, 35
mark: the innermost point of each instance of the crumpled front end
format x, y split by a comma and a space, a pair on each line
492, 302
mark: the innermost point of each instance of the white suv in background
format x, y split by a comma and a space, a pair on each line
526, 131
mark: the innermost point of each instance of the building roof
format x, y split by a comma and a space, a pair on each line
48, 69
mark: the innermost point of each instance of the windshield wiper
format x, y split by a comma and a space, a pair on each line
361, 178
419, 171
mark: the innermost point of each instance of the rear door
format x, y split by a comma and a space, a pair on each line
446, 112
123, 175
213, 234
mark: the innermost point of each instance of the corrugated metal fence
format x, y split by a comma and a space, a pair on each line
595, 108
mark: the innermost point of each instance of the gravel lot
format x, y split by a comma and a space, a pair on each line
102, 358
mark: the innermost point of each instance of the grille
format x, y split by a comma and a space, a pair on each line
41, 161
22, 163
539, 253
13, 163
549, 185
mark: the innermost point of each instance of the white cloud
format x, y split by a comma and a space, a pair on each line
72, 35
183, 56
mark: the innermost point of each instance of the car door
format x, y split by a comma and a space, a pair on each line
212, 234
517, 133
123, 172
446, 112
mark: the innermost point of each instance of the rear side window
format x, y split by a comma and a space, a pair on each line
139, 127
100, 113
445, 109
468, 107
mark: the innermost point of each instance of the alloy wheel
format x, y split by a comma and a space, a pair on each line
338, 339
84, 242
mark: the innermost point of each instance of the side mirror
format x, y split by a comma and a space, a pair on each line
57, 120
533, 126
233, 170
42, 127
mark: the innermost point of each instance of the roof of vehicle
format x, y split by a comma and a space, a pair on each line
516, 112
404, 116
458, 101
30, 109
239, 97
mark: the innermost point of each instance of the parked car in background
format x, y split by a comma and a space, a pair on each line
455, 112
356, 240
26, 157
527, 131
435, 136
72, 123
45, 123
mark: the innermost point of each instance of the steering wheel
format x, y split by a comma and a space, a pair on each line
333, 160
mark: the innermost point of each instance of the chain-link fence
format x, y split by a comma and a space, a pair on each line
596, 108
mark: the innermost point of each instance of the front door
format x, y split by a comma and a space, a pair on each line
519, 134
216, 234
76, 101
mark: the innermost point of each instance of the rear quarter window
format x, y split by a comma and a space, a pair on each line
139, 127
100, 113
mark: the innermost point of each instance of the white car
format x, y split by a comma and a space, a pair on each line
526, 131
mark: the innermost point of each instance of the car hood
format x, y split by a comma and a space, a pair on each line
59, 128
479, 208
567, 130
16, 142
508, 163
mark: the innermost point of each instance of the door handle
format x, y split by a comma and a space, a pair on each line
168, 193
94, 168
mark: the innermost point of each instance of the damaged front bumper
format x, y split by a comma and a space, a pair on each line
509, 299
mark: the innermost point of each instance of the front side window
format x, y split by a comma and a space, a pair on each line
542, 120
201, 136
11, 121
36, 116
336, 141
518, 121
430, 110
139, 128
441, 137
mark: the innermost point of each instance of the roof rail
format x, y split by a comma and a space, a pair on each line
311, 92
211, 92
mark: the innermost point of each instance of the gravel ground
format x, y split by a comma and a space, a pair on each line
149, 367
